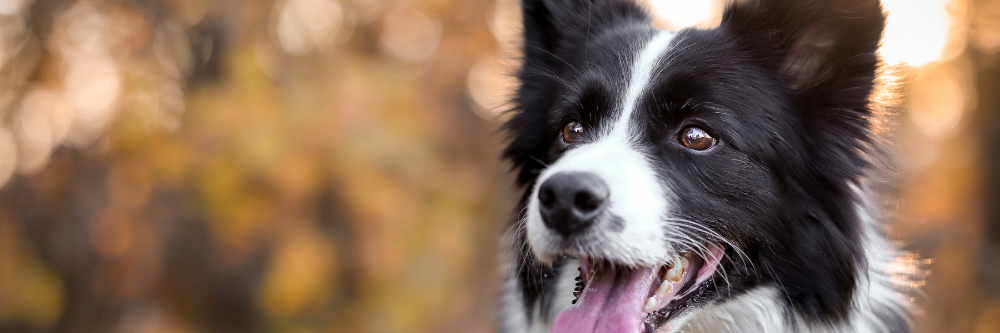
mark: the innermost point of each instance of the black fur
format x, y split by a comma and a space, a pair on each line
783, 84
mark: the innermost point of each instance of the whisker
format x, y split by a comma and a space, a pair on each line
550, 74
557, 57
540, 161
693, 226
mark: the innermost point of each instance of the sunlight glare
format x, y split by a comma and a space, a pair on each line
679, 14
917, 31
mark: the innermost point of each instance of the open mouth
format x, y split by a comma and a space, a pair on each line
612, 299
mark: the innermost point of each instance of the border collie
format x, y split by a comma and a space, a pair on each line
699, 180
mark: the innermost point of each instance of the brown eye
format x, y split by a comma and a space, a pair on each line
573, 131
696, 138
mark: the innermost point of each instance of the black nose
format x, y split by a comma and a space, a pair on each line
570, 201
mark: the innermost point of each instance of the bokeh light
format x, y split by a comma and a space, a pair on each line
679, 14
491, 85
409, 34
985, 27
304, 25
938, 100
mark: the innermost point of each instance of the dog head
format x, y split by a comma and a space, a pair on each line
683, 168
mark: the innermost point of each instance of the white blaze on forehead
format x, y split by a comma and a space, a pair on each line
642, 73
638, 199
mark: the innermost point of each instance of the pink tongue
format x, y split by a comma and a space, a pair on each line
612, 303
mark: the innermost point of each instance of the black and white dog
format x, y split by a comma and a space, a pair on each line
699, 180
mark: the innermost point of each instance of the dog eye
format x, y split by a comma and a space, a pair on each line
572, 131
696, 138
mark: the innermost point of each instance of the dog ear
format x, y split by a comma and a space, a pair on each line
814, 43
551, 26
556, 33
825, 52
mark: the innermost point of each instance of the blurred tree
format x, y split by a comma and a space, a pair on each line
232, 166
988, 124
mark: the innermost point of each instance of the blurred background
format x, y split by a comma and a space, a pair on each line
332, 165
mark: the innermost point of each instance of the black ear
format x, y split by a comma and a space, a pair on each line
825, 52
554, 26
556, 33
813, 42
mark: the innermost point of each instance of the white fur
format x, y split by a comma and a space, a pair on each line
758, 310
514, 317
567, 284
636, 194
642, 72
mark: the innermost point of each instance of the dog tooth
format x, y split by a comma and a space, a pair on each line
651, 304
664, 288
684, 263
674, 274
676, 262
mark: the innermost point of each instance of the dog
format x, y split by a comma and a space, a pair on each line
701, 180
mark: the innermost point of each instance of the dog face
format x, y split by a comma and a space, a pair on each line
684, 168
